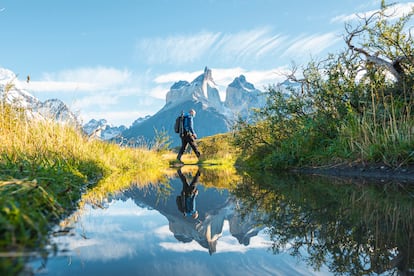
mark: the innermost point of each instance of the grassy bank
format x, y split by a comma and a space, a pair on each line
45, 167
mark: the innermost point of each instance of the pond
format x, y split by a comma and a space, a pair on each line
246, 225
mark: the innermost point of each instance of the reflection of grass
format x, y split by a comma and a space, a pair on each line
117, 182
220, 177
45, 167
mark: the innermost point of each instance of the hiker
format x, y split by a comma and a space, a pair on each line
188, 135
189, 193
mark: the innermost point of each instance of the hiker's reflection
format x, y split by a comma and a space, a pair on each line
186, 202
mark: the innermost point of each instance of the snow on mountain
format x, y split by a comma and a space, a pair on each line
52, 109
102, 130
201, 89
56, 110
13, 95
242, 97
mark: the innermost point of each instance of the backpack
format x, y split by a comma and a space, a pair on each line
179, 124
180, 200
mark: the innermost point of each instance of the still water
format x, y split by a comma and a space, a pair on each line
266, 225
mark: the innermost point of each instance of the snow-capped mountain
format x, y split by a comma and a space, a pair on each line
52, 109
102, 130
56, 110
202, 89
12, 95
202, 94
242, 96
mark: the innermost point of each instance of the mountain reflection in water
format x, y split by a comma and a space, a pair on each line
214, 207
267, 225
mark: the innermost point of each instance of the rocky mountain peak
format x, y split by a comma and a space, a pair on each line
102, 130
241, 83
202, 89
242, 96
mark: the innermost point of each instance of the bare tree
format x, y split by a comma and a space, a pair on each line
387, 46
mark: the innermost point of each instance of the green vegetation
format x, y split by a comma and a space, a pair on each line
45, 167
353, 106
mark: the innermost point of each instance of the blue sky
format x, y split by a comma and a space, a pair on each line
117, 59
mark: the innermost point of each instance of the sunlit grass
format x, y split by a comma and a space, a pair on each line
46, 167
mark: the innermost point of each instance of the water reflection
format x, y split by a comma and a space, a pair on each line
214, 207
250, 225
353, 228
186, 201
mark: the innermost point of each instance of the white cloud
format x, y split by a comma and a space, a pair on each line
311, 45
163, 232
160, 91
245, 47
80, 79
95, 100
175, 49
62, 86
99, 75
262, 79
182, 247
181, 49
176, 76
115, 117
395, 11
250, 46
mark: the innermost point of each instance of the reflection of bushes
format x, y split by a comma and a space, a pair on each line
353, 230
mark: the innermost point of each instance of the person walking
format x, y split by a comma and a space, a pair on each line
188, 135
